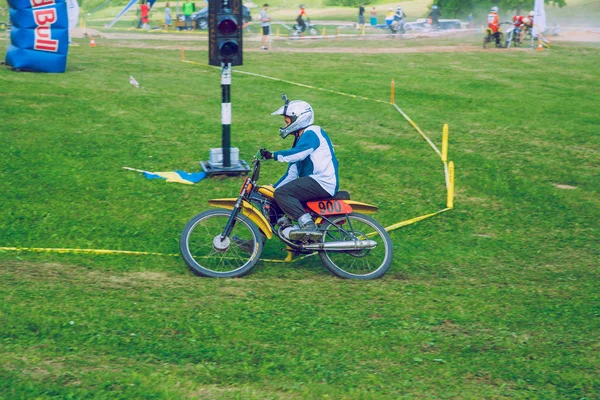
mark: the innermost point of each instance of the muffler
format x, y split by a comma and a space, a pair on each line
342, 246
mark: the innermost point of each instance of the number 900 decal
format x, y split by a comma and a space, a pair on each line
330, 207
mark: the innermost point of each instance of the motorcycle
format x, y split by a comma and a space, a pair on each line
397, 25
297, 29
228, 242
490, 37
513, 37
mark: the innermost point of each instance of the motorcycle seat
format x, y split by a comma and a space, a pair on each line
268, 191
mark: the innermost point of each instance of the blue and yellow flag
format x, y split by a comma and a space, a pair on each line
173, 176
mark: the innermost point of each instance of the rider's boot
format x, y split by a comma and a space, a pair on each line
307, 229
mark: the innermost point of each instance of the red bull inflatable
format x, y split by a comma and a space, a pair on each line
39, 35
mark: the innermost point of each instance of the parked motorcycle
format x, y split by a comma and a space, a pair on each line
228, 242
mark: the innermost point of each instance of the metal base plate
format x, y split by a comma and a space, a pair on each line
239, 169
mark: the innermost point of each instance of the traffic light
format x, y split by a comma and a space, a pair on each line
225, 32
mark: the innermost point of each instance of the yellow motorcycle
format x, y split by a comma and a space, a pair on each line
227, 242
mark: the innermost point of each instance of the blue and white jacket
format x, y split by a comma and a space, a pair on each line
312, 156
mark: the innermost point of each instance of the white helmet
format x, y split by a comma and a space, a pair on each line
526, 21
398, 8
434, 7
300, 112
531, 13
494, 9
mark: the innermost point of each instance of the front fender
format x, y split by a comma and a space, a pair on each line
248, 210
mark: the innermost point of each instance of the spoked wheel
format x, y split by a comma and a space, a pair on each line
362, 264
486, 40
207, 255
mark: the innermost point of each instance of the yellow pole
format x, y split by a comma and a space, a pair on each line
182, 55
445, 143
392, 102
323, 34
363, 30
338, 33
450, 199
290, 254
278, 32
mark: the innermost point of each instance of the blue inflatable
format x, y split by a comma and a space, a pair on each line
39, 35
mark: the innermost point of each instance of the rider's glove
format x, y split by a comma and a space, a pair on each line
266, 154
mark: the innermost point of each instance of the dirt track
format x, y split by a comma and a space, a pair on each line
149, 40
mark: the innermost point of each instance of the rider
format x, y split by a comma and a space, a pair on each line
494, 23
312, 171
518, 24
300, 20
527, 24
399, 16
435, 15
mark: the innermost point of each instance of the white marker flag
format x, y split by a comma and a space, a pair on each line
539, 19
133, 81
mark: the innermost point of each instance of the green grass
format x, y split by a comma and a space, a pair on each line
497, 298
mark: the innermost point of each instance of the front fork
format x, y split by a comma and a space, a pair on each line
231, 221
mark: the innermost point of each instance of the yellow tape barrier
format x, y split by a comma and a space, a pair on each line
448, 172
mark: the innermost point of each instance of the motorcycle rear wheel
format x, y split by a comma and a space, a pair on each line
357, 264
206, 255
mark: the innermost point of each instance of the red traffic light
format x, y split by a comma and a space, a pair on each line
227, 26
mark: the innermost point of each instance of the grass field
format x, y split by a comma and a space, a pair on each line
498, 298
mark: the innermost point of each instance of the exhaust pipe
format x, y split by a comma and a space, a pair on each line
342, 246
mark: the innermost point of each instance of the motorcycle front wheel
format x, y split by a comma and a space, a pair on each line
207, 255
362, 264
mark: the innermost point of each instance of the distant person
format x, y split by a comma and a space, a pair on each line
300, 19
389, 17
188, 10
435, 15
397, 25
373, 17
265, 23
494, 24
144, 12
470, 20
361, 15
168, 16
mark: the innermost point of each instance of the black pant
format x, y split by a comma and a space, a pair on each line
291, 195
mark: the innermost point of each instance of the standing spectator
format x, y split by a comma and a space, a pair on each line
188, 10
435, 15
361, 15
265, 23
373, 17
168, 16
470, 19
144, 11
389, 17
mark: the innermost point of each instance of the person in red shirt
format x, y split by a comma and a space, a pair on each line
144, 10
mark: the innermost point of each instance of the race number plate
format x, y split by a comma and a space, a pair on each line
330, 207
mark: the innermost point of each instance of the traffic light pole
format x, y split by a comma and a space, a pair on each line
225, 37
226, 113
